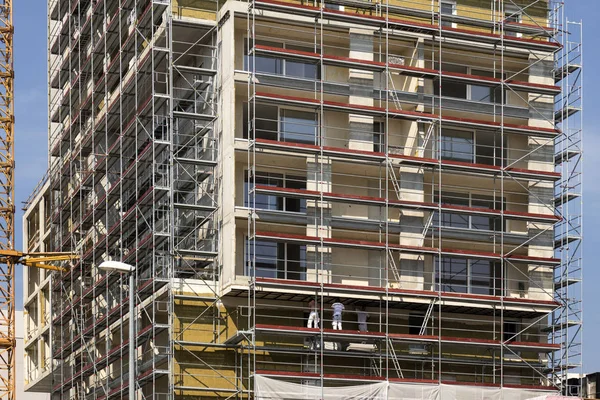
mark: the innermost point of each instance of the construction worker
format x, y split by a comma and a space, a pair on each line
361, 316
313, 316
338, 308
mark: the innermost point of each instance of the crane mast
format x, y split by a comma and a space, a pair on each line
7, 207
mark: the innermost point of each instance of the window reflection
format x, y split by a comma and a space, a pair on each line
469, 220
278, 65
276, 260
274, 123
460, 275
277, 203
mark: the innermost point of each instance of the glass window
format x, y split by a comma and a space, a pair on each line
265, 258
379, 137
276, 260
481, 221
484, 277
488, 94
469, 221
486, 222
452, 88
331, 6
301, 69
481, 148
278, 65
269, 65
277, 203
452, 275
510, 331
295, 204
451, 219
461, 90
265, 121
511, 17
467, 276
457, 145
489, 148
286, 125
265, 201
298, 126
264, 64
295, 261
481, 93
447, 8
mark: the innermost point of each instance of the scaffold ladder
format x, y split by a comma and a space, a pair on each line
394, 358
394, 179
428, 223
375, 367
426, 317
393, 93
394, 267
428, 134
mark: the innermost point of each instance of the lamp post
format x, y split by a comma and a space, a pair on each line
122, 268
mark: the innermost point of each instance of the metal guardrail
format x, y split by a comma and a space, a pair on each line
36, 190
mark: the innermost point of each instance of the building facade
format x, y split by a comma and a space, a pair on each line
35, 332
321, 200
22, 379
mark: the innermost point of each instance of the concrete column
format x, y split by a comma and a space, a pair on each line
412, 224
541, 197
541, 240
361, 90
411, 184
418, 146
318, 224
540, 277
377, 259
42, 216
226, 149
415, 139
419, 61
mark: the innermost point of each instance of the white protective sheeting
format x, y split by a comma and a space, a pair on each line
411, 391
522, 394
456, 392
274, 389
460, 392
550, 397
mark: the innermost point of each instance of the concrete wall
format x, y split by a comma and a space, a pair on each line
34, 320
20, 364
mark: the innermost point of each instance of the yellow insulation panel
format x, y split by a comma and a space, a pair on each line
535, 14
199, 9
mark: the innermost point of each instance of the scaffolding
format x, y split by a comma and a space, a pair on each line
396, 161
260, 161
568, 281
134, 150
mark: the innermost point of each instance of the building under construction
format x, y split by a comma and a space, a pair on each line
414, 162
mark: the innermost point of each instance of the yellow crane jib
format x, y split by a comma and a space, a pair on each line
37, 260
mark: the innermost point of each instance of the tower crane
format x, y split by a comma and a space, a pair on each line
7, 201
9, 257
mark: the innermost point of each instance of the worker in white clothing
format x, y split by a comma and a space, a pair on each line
338, 307
361, 316
313, 316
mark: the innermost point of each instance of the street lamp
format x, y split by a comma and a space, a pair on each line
122, 268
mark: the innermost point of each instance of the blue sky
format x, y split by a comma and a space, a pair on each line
31, 148
31, 137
